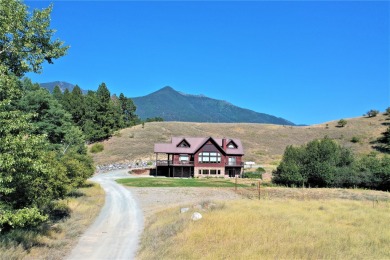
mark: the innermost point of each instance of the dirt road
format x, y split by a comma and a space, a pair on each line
115, 232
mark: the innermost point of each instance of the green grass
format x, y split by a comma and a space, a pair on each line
170, 182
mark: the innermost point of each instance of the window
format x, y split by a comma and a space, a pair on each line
200, 171
213, 171
183, 157
232, 145
232, 160
209, 157
206, 172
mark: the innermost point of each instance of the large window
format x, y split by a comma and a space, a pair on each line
183, 157
209, 157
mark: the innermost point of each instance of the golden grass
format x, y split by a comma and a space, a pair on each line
57, 240
263, 143
277, 229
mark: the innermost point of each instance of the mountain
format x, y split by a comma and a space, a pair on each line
172, 105
63, 85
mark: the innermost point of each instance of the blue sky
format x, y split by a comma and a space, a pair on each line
306, 61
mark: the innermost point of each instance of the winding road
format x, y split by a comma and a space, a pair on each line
116, 231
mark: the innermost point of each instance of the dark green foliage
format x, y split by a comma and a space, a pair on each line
341, 123
155, 119
77, 106
323, 163
26, 44
252, 175
97, 148
387, 111
372, 113
38, 142
384, 140
314, 164
355, 139
128, 111
57, 94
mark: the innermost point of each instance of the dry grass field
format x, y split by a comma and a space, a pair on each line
263, 143
271, 229
56, 240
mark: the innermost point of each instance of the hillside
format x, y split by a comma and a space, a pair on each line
176, 106
263, 143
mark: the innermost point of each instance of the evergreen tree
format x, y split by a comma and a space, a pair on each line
77, 106
128, 110
57, 93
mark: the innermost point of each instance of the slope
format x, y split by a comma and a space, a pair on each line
175, 106
263, 143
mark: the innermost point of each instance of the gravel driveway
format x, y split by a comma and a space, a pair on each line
115, 233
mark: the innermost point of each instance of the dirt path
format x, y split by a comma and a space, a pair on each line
115, 233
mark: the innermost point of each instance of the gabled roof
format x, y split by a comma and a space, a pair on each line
195, 143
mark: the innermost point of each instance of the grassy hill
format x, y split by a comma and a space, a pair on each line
263, 143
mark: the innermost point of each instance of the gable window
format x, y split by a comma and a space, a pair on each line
209, 157
231, 145
184, 144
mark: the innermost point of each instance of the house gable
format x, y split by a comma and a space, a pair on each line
211, 145
183, 144
232, 145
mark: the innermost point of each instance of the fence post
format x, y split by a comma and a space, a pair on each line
259, 190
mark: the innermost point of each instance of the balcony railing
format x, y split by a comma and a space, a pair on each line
170, 162
235, 164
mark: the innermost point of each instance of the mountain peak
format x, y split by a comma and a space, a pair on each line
173, 105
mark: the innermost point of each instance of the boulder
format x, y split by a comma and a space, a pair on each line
184, 210
196, 216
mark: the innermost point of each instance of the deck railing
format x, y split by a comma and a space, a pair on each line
234, 164
170, 162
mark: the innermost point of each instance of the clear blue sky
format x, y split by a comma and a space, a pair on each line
308, 62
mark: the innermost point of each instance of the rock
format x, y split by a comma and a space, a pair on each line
196, 216
184, 210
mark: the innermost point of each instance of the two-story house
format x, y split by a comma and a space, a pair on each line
200, 157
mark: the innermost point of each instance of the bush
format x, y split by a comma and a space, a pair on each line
355, 139
26, 217
387, 111
314, 164
372, 113
97, 148
341, 123
260, 170
252, 175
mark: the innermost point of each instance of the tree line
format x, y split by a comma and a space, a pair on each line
324, 163
98, 113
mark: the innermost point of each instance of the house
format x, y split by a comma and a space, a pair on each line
199, 157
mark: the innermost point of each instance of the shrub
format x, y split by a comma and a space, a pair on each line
260, 170
341, 123
387, 111
355, 139
314, 164
26, 217
97, 148
252, 175
372, 113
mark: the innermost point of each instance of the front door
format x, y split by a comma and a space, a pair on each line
232, 173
